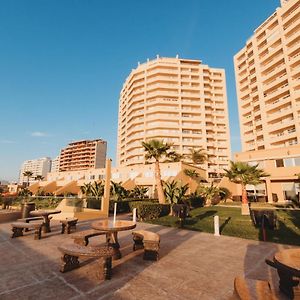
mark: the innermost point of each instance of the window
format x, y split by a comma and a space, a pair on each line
288, 162
297, 161
168, 173
133, 174
279, 163
115, 175
149, 174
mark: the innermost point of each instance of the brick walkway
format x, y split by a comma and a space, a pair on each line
192, 265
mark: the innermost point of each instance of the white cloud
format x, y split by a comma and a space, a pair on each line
7, 142
39, 134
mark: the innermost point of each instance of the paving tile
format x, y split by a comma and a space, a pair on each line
192, 265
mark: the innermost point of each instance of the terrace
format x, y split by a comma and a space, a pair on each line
191, 265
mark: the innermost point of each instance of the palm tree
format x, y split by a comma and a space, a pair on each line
173, 192
139, 192
181, 191
174, 157
208, 192
97, 190
224, 193
243, 174
197, 156
39, 177
170, 191
157, 150
86, 189
27, 174
118, 191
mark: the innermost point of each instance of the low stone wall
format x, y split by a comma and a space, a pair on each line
9, 215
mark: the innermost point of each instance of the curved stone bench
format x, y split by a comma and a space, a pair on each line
248, 289
71, 253
82, 237
17, 229
148, 240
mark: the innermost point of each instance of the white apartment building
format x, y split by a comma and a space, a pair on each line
40, 166
55, 164
180, 101
267, 74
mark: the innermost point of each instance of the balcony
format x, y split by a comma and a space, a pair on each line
275, 81
162, 125
282, 124
273, 63
283, 136
277, 103
283, 112
159, 78
276, 92
294, 59
288, 16
274, 71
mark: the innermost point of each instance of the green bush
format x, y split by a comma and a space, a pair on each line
194, 201
125, 206
149, 210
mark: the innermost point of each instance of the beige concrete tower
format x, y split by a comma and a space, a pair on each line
267, 73
181, 101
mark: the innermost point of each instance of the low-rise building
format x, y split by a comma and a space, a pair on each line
281, 164
61, 183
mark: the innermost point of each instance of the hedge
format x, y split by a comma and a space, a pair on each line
149, 210
124, 206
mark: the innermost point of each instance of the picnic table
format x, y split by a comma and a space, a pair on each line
287, 263
112, 228
45, 214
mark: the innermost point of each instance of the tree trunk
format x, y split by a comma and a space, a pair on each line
160, 191
244, 195
208, 201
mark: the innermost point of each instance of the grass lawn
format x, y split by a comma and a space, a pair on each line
232, 223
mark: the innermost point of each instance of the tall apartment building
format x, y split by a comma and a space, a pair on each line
40, 166
267, 73
82, 155
181, 101
55, 164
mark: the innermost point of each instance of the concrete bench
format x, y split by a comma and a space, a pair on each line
29, 219
82, 237
149, 241
68, 224
250, 289
71, 253
17, 229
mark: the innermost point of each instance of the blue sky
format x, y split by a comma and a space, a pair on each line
63, 63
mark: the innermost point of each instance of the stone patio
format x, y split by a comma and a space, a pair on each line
192, 265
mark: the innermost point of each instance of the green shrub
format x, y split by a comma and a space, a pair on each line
194, 201
149, 210
125, 206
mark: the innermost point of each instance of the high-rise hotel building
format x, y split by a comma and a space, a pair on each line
267, 73
180, 101
83, 155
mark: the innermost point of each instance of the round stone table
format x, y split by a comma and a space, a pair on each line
112, 228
